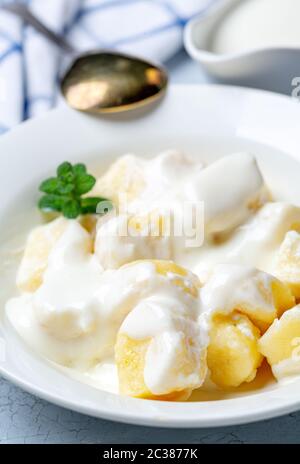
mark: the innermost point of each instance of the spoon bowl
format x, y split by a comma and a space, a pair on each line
102, 82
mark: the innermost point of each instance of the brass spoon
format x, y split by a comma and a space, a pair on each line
102, 81
112, 82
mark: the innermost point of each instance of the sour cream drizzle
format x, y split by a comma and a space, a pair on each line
85, 298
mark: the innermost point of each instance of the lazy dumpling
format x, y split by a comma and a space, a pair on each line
281, 344
136, 179
233, 356
228, 199
40, 243
126, 238
287, 264
239, 302
160, 350
258, 295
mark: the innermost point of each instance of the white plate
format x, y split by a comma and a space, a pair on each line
206, 121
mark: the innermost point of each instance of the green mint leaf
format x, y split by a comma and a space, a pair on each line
84, 183
79, 169
71, 209
63, 193
49, 185
68, 178
64, 188
51, 203
64, 169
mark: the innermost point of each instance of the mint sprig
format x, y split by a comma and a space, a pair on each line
63, 193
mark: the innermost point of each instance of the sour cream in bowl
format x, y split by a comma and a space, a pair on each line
248, 42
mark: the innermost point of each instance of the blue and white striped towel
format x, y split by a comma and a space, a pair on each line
29, 64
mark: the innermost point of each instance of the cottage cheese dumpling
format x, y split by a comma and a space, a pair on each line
254, 293
126, 238
161, 346
63, 303
254, 243
188, 199
125, 176
281, 344
257, 242
61, 318
132, 178
147, 196
228, 199
75, 315
233, 356
39, 245
287, 264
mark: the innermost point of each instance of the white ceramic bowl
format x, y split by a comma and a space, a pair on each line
206, 121
269, 68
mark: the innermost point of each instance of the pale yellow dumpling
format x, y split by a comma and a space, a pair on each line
180, 276
258, 295
130, 358
232, 355
278, 295
181, 360
38, 247
125, 176
287, 267
126, 238
40, 243
280, 344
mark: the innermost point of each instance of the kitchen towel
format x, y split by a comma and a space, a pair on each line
30, 64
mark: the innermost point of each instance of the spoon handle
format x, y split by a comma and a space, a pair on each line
25, 14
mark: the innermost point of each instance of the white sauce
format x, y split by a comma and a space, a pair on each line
226, 194
169, 318
257, 24
254, 243
85, 299
233, 285
221, 189
74, 317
